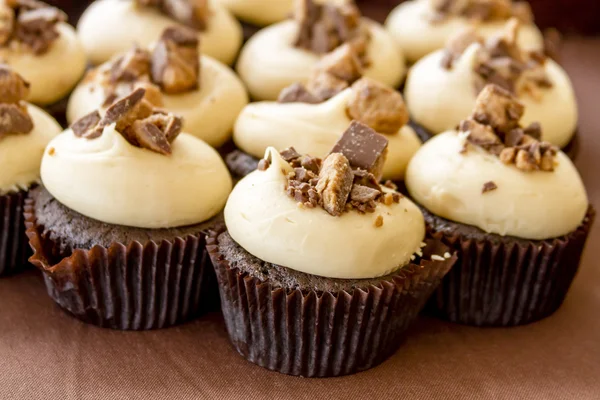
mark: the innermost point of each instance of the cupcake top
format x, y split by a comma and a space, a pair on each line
326, 217
312, 116
423, 26
132, 167
24, 132
443, 86
110, 27
497, 175
285, 53
260, 12
206, 93
34, 34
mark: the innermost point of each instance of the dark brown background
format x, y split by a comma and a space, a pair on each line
45, 354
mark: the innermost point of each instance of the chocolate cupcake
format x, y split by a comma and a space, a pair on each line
423, 26
24, 133
203, 91
320, 269
285, 53
443, 86
37, 43
111, 27
312, 116
513, 207
119, 228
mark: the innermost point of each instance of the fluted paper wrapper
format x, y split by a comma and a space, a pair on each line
130, 286
13, 242
505, 282
322, 334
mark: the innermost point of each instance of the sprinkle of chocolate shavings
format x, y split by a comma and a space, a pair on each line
494, 126
193, 13
488, 187
136, 120
29, 23
14, 116
481, 10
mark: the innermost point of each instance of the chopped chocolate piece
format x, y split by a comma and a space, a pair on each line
7, 23
377, 106
379, 221
457, 44
290, 154
324, 86
311, 164
37, 27
488, 187
85, 126
304, 175
498, 108
13, 88
335, 183
175, 61
552, 43
363, 147
263, 165
514, 137
343, 63
126, 110
14, 119
131, 66
481, 135
148, 135
534, 130
169, 124
364, 178
193, 13
153, 94
297, 93
364, 194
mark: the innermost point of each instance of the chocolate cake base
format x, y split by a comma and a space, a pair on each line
120, 277
13, 242
300, 324
503, 280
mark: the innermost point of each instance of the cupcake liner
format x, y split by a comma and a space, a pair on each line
322, 334
131, 286
13, 242
508, 282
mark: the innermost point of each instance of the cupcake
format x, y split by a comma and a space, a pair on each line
259, 12
36, 42
110, 27
24, 132
118, 228
513, 207
204, 92
423, 26
320, 269
285, 53
312, 117
442, 87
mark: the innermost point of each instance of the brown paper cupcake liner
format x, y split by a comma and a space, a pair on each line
507, 282
13, 242
322, 334
130, 286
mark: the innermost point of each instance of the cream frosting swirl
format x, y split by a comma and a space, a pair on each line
21, 154
270, 225
260, 12
416, 36
269, 62
208, 113
112, 181
438, 99
531, 205
313, 129
53, 74
110, 27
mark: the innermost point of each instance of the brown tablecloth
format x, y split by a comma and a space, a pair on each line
45, 354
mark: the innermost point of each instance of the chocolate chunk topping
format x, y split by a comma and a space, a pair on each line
290, 154
363, 147
377, 106
193, 13
131, 66
86, 126
494, 126
364, 194
324, 86
13, 88
344, 63
488, 187
175, 61
457, 44
297, 93
263, 165
14, 116
14, 119
149, 136
335, 183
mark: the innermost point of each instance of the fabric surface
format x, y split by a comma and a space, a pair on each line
46, 354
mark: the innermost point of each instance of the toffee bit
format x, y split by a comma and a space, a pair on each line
297, 93
488, 187
379, 221
335, 183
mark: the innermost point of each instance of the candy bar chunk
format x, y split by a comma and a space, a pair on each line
131, 66
335, 183
297, 93
86, 126
343, 63
14, 119
324, 86
498, 108
13, 88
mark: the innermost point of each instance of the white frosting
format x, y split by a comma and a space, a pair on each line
417, 36
260, 12
109, 27
532, 205
112, 181
270, 225
313, 129
53, 74
438, 99
208, 113
21, 154
269, 62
